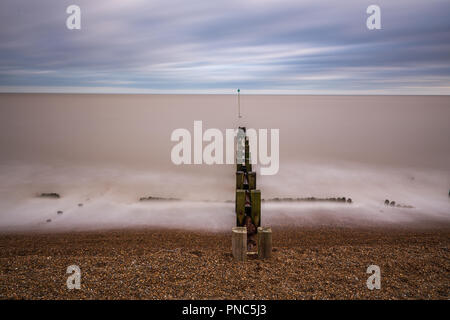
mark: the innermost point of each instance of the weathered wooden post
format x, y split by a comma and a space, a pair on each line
248, 161
240, 207
252, 180
255, 202
264, 242
240, 180
248, 164
239, 243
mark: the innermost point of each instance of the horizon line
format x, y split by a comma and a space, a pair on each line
422, 91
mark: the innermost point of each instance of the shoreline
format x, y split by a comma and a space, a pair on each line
382, 227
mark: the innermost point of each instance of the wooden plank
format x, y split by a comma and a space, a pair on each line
248, 165
240, 180
255, 202
240, 207
252, 180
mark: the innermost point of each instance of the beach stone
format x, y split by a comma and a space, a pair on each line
386, 202
392, 203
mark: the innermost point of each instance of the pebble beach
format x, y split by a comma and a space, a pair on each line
307, 263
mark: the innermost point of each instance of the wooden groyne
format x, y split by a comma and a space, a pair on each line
248, 202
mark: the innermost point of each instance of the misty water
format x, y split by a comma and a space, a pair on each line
102, 153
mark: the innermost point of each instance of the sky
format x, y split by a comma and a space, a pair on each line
215, 46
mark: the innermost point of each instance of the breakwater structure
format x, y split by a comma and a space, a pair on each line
248, 237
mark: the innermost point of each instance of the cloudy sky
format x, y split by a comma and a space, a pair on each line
215, 46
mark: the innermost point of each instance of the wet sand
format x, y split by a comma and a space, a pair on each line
307, 263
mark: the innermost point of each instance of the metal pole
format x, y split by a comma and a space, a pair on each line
239, 102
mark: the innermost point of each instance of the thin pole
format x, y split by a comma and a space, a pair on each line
239, 102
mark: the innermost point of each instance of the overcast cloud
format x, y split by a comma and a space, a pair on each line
212, 46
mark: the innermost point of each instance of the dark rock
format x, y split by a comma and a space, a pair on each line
151, 198
334, 199
80, 204
386, 202
49, 220
392, 204
59, 212
349, 200
50, 195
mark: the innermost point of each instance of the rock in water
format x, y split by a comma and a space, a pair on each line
50, 195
